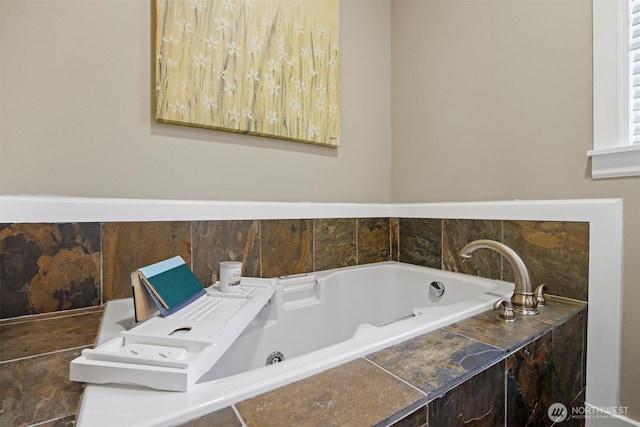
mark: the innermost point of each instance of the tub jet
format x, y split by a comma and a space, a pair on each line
436, 289
275, 357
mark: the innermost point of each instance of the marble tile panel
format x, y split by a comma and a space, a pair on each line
374, 240
556, 253
529, 377
48, 267
37, 389
286, 246
216, 241
395, 238
335, 243
417, 419
577, 410
421, 241
35, 335
127, 246
436, 361
479, 401
456, 233
69, 421
53, 314
486, 328
559, 309
357, 393
569, 354
224, 417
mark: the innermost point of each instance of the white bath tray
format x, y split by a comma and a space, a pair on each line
172, 353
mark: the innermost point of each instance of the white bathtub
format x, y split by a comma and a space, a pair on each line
315, 321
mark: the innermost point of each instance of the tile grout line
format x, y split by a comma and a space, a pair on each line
313, 244
357, 242
260, 247
239, 415
446, 328
49, 421
426, 396
422, 401
29, 318
48, 353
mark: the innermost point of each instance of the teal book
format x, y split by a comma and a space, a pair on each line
166, 286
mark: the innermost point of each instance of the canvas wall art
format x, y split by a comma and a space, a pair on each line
263, 67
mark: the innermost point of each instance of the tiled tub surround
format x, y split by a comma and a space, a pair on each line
475, 372
467, 371
34, 365
37, 278
52, 267
448, 377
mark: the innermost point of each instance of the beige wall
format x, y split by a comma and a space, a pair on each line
76, 115
492, 101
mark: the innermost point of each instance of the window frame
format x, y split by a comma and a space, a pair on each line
612, 155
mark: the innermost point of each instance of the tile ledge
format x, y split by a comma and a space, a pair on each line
52, 315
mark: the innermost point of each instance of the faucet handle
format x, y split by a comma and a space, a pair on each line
505, 310
542, 301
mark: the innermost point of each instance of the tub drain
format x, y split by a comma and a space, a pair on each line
275, 357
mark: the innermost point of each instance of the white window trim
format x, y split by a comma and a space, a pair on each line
611, 156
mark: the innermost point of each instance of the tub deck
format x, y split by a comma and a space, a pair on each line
385, 386
319, 321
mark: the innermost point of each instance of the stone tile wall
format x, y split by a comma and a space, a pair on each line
52, 267
34, 366
51, 273
448, 377
556, 252
49, 267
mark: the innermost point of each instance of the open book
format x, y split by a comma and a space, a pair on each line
166, 286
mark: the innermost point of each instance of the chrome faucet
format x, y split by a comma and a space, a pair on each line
523, 298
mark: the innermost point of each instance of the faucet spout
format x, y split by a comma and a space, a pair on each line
523, 298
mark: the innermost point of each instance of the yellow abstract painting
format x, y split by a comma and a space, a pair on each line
263, 67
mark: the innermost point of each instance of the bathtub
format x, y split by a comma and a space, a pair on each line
313, 322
